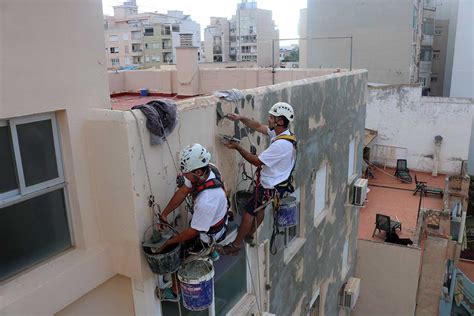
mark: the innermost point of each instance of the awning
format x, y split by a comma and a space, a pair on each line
369, 136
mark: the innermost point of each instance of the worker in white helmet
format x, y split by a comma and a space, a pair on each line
209, 221
274, 167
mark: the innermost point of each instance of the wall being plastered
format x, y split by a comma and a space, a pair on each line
329, 110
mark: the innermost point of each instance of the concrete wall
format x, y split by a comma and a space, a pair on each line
405, 119
382, 31
114, 297
462, 81
330, 110
470, 165
389, 278
210, 80
64, 74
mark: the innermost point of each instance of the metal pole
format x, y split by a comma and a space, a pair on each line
273, 61
350, 61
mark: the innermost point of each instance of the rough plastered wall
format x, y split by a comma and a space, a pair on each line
389, 278
405, 119
330, 110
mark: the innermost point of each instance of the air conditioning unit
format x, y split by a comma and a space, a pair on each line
350, 294
359, 192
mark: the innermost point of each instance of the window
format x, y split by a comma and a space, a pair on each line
34, 224
136, 35
426, 53
155, 57
315, 303
352, 152
320, 193
114, 50
345, 258
165, 30
175, 28
115, 61
434, 79
125, 36
113, 38
428, 26
147, 58
149, 31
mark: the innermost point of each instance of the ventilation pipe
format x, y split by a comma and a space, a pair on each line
437, 142
187, 66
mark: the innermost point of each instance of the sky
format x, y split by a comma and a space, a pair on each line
285, 13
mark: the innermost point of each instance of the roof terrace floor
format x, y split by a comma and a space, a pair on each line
388, 196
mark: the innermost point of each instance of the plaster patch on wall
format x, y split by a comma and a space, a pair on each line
300, 270
299, 307
313, 124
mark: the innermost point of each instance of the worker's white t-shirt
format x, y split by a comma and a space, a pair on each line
278, 159
210, 207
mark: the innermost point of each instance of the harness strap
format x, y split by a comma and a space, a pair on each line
217, 227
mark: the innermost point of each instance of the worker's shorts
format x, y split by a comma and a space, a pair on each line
261, 197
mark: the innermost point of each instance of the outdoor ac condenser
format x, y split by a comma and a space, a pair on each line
350, 294
359, 192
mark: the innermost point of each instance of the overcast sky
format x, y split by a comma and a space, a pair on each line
285, 13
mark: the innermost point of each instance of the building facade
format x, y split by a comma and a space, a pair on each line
386, 38
249, 36
145, 39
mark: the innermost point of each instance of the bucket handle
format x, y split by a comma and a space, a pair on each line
166, 224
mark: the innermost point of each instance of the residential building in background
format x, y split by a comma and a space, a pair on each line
249, 36
386, 35
135, 39
217, 41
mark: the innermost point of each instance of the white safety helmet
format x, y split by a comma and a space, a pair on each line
193, 157
282, 109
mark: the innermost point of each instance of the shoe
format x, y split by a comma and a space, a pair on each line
230, 249
166, 294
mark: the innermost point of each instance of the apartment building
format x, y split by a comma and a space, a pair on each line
217, 40
145, 39
386, 38
249, 36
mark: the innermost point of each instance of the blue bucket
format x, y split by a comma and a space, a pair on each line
143, 92
288, 212
197, 284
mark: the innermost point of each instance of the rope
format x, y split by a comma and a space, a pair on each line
151, 198
253, 284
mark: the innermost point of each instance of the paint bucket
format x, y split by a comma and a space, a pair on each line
288, 212
143, 92
197, 284
160, 263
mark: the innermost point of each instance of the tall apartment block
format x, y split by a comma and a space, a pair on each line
392, 39
250, 35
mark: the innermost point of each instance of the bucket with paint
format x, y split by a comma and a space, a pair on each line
197, 284
288, 212
143, 92
160, 262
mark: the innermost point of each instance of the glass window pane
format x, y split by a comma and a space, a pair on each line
8, 180
32, 231
37, 152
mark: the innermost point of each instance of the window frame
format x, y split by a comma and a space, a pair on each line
11, 196
23, 192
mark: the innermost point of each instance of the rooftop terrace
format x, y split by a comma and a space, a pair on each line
390, 197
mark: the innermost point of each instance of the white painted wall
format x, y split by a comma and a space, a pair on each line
389, 278
462, 81
405, 119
